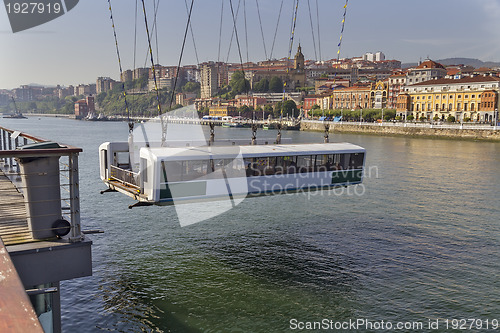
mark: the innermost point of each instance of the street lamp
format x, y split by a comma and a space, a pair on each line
382, 115
360, 115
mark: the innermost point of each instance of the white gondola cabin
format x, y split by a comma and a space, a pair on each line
165, 176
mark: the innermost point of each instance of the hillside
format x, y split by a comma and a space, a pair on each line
476, 63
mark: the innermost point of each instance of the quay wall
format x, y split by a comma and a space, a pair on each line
376, 129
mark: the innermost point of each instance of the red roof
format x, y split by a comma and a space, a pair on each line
452, 71
468, 79
430, 64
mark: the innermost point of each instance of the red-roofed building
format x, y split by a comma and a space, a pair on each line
81, 109
250, 101
472, 98
396, 82
428, 70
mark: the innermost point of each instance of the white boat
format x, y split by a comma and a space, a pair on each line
168, 175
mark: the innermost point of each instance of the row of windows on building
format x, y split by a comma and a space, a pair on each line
450, 97
442, 107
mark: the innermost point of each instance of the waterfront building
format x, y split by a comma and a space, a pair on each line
359, 96
293, 77
103, 84
81, 109
323, 85
311, 100
213, 76
126, 76
428, 70
25, 93
167, 72
273, 98
473, 98
82, 89
139, 72
201, 103
250, 101
397, 81
378, 56
161, 83
184, 99
90, 104
191, 73
4, 99
220, 110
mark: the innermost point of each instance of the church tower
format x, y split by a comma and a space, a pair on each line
299, 60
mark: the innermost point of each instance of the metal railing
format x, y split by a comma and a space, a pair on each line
442, 125
10, 167
126, 177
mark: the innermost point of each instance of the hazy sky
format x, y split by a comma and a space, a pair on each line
79, 46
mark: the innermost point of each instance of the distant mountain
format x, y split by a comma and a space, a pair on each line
476, 63
40, 85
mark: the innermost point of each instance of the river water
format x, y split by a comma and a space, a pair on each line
419, 241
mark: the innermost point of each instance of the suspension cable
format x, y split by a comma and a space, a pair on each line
220, 29
232, 33
156, 4
220, 42
163, 132
155, 11
246, 30
134, 97
182, 52
192, 35
261, 30
292, 34
312, 29
130, 123
237, 40
319, 37
276, 30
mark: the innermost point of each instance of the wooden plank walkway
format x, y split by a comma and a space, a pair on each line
13, 224
16, 311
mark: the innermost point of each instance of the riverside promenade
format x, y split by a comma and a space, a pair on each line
438, 130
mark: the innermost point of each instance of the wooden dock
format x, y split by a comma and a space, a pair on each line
13, 223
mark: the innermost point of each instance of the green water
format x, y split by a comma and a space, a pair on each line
419, 241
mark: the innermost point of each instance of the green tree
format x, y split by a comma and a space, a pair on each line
101, 97
268, 109
389, 114
290, 108
238, 83
141, 82
277, 110
276, 85
191, 87
176, 106
262, 86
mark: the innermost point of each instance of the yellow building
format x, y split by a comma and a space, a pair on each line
221, 110
467, 99
368, 96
